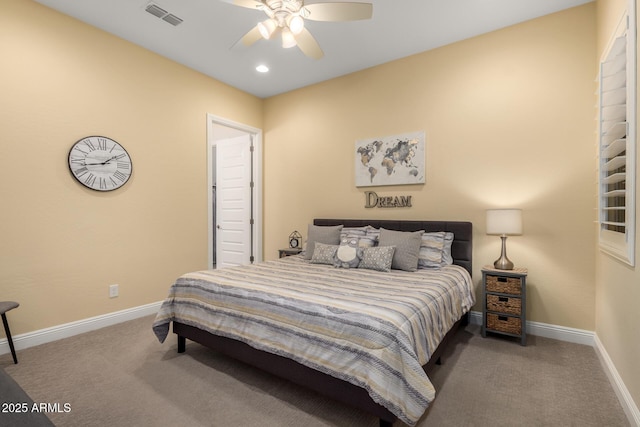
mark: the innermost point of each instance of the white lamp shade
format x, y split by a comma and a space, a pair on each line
267, 27
288, 39
504, 222
296, 24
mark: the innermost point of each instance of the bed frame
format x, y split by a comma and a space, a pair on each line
327, 385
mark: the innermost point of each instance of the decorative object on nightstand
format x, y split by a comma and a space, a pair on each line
288, 252
504, 222
504, 302
295, 240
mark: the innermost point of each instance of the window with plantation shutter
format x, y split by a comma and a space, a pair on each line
617, 140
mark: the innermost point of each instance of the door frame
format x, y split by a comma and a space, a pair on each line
213, 136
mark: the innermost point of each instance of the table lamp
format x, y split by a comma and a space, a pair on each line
504, 222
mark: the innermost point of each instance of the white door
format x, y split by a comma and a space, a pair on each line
233, 202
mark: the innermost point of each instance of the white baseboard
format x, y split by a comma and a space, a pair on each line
629, 406
42, 336
580, 336
561, 333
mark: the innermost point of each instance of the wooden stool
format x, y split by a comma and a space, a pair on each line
4, 307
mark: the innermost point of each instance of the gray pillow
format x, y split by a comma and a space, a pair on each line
329, 235
324, 254
407, 244
378, 258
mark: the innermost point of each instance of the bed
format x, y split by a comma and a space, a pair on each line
327, 305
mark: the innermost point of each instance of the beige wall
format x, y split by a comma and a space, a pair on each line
509, 122
617, 284
508, 118
62, 245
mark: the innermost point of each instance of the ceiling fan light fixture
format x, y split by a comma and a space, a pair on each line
288, 39
296, 24
288, 17
267, 28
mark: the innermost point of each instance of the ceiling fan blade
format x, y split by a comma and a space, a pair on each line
338, 11
250, 4
251, 37
308, 45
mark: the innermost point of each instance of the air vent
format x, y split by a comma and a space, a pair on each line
159, 12
156, 10
172, 19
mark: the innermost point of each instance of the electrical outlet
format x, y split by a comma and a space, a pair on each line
113, 291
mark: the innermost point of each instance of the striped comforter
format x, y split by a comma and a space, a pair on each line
372, 329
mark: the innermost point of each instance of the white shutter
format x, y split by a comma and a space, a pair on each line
617, 140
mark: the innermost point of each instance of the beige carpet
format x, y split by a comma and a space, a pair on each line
122, 376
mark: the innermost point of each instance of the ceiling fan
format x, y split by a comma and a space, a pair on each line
287, 18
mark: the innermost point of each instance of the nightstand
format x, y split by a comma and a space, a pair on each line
504, 302
288, 252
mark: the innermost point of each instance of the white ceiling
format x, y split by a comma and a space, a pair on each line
206, 40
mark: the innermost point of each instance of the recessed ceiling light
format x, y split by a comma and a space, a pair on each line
262, 68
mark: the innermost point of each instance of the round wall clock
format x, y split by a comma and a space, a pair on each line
100, 163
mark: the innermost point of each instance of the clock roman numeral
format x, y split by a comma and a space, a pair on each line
78, 160
102, 144
119, 175
90, 180
123, 165
77, 147
80, 172
88, 143
103, 183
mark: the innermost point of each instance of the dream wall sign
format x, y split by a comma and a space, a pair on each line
372, 200
390, 160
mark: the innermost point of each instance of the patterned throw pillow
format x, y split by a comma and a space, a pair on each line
407, 244
435, 250
353, 231
373, 234
378, 258
323, 254
448, 241
431, 250
348, 254
329, 235
366, 240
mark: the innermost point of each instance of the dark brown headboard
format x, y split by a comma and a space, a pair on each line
461, 250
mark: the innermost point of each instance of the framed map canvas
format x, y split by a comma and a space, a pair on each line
390, 160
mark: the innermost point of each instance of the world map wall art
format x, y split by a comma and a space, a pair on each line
390, 160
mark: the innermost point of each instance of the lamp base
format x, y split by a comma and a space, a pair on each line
503, 263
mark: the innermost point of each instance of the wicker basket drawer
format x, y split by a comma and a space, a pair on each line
504, 285
505, 305
512, 325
